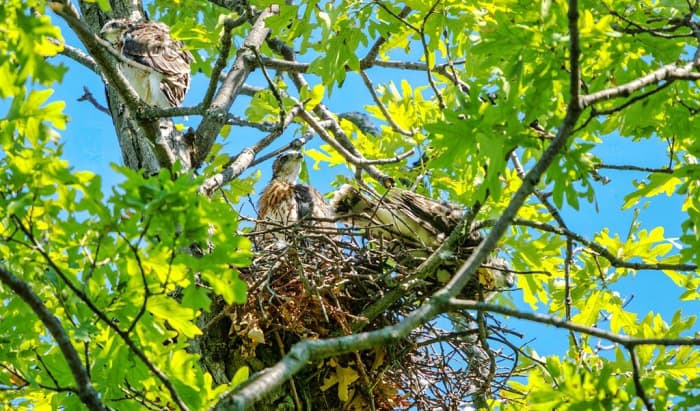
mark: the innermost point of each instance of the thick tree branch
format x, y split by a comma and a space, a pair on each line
482, 251
86, 392
229, 25
78, 56
216, 115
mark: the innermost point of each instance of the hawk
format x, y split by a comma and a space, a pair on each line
419, 223
164, 76
410, 218
284, 202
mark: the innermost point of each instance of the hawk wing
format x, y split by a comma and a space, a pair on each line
402, 215
150, 44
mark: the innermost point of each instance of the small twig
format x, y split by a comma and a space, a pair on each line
426, 54
636, 376
387, 116
634, 168
87, 96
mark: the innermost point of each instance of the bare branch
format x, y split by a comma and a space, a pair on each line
634, 168
87, 96
636, 376
624, 340
245, 158
382, 107
86, 392
78, 56
614, 260
229, 25
216, 114
669, 72
351, 157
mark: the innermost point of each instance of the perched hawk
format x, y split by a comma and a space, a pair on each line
284, 202
419, 223
410, 218
149, 44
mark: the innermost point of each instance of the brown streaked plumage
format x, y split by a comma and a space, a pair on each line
402, 215
284, 202
416, 221
149, 44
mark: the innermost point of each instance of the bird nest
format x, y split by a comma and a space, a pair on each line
321, 283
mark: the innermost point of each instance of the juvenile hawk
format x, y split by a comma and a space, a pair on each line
284, 202
418, 223
410, 218
149, 44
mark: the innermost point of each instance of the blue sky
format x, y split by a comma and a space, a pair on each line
90, 144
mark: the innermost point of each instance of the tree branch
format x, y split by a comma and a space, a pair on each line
573, 112
245, 158
669, 72
389, 119
78, 56
229, 25
87, 96
86, 392
353, 157
624, 340
602, 250
216, 115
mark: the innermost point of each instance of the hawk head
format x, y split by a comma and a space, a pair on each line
287, 166
113, 30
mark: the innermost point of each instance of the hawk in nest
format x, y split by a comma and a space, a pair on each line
161, 76
418, 224
284, 202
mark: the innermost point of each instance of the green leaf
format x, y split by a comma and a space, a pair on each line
177, 316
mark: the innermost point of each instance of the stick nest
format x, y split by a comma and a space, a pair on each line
319, 284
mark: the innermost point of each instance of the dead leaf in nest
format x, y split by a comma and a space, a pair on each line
256, 335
